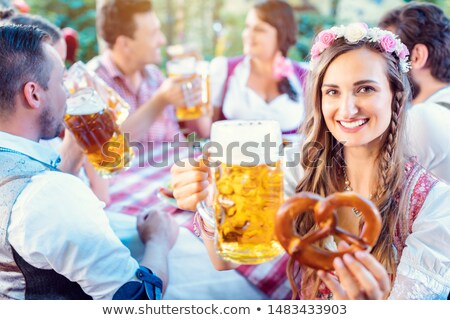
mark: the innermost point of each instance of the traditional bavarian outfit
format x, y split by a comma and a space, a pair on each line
55, 240
229, 91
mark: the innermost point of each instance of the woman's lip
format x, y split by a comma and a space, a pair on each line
352, 129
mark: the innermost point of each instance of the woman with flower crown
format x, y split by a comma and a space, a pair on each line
358, 91
263, 84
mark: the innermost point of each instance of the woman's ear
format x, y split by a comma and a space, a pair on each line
419, 56
33, 95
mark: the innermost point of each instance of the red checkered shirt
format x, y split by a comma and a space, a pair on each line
166, 126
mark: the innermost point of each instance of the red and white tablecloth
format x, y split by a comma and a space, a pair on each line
136, 190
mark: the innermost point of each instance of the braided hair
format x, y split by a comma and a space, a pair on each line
324, 175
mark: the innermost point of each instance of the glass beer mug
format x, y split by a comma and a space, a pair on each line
247, 189
79, 77
195, 88
95, 130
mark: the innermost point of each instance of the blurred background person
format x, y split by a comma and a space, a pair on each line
425, 30
262, 84
133, 34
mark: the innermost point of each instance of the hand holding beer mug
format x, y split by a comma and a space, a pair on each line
97, 133
79, 77
195, 87
248, 189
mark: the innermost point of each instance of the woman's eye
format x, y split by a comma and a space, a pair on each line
330, 92
366, 89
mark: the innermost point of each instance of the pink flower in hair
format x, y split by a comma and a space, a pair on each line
282, 68
388, 42
403, 52
317, 49
326, 37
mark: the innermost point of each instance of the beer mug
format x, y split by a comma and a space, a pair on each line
79, 77
95, 130
196, 80
245, 161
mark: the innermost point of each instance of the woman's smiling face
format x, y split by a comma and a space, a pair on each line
357, 98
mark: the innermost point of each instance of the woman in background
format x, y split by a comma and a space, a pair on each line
262, 84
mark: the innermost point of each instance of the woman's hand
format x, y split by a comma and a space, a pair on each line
190, 181
358, 277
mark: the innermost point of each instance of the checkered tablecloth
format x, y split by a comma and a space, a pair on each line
136, 190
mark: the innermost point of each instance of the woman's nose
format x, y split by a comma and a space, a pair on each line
348, 107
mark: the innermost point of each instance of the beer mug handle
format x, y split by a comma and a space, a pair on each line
206, 212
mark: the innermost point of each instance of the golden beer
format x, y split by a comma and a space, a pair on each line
248, 189
79, 77
245, 205
196, 87
96, 131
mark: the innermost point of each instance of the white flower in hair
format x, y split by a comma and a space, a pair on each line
338, 31
405, 66
375, 34
355, 32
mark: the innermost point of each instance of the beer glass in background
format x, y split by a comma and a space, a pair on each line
97, 133
248, 189
195, 87
79, 77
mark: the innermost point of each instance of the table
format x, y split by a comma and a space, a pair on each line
191, 273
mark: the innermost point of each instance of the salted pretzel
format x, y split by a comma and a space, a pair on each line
303, 249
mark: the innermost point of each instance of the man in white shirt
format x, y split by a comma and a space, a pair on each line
55, 240
425, 30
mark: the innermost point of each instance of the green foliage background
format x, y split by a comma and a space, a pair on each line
77, 14
195, 24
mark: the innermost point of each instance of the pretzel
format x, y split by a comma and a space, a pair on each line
302, 249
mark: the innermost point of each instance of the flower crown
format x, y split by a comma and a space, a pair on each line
355, 32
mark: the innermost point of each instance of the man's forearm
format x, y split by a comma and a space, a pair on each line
138, 123
155, 258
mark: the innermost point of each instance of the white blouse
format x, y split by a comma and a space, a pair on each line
82, 246
424, 268
243, 103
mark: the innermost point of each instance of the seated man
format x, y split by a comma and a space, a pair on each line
132, 32
73, 159
55, 240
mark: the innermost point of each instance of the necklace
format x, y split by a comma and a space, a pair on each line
347, 187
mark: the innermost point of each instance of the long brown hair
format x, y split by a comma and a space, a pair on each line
324, 168
280, 15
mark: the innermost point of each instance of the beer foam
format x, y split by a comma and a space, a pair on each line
181, 67
239, 142
84, 102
